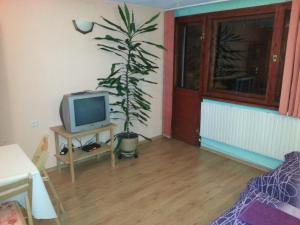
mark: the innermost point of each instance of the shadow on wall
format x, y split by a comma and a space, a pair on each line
6, 135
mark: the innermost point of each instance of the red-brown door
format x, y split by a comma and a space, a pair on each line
188, 80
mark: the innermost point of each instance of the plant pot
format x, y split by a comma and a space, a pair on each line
128, 145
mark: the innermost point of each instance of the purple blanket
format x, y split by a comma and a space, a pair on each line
279, 189
257, 213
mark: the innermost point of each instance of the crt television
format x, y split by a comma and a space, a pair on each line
84, 111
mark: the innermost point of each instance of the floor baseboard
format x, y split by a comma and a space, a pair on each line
265, 169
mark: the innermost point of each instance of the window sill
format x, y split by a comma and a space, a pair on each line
243, 103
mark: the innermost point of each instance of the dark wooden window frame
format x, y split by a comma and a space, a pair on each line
189, 20
267, 101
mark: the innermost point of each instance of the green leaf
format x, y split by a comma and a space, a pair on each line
148, 30
148, 61
132, 27
136, 45
119, 28
143, 92
108, 28
108, 50
149, 27
137, 115
114, 73
132, 22
150, 20
141, 99
122, 48
145, 114
142, 122
115, 118
127, 13
153, 18
142, 104
154, 44
112, 93
147, 53
148, 139
113, 67
123, 16
109, 38
117, 103
109, 47
117, 112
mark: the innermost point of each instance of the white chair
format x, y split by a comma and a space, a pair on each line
10, 211
39, 159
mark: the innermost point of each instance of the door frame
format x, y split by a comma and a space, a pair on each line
202, 19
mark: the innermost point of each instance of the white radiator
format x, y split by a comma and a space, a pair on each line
253, 129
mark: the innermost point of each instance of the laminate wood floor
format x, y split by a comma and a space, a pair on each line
171, 183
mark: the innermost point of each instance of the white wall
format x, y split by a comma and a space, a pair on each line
42, 57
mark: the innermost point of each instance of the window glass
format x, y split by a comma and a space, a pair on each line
241, 54
188, 55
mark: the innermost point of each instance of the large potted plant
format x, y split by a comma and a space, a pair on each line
134, 64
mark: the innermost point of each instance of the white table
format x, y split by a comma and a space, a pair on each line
15, 165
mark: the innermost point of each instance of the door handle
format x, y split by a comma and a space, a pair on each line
202, 37
275, 58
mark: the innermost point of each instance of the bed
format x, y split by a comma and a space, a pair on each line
279, 189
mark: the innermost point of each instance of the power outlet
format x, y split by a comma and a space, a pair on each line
35, 123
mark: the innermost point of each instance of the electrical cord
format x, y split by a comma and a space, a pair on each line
90, 141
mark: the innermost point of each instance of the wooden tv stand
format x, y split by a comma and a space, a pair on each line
74, 156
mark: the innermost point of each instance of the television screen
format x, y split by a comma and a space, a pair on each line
89, 110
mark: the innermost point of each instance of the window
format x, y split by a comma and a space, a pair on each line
242, 55
247, 50
188, 55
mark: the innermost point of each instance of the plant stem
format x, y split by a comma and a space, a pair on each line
127, 88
